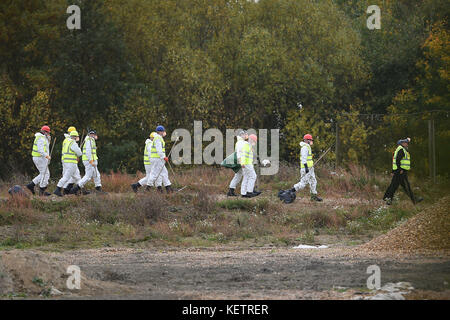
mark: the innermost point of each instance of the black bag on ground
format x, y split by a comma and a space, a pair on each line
287, 196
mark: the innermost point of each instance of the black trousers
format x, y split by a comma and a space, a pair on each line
399, 179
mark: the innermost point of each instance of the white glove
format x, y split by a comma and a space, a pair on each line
265, 162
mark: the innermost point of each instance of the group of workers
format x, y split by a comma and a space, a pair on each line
71, 181
154, 158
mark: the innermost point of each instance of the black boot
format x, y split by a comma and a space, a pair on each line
75, 190
42, 192
30, 187
135, 186
148, 188
247, 195
314, 197
66, 191
99, 190
231, 193
256, 192
58, 192
169, 189
160, 189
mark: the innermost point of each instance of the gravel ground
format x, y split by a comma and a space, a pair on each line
254, 274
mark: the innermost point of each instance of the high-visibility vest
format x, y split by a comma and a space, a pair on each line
247, 154
91, 141
146, 158
405, 163
154, 153
68, 156
309, 159
66, 140
34, 152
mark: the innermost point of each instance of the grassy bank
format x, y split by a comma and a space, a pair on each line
201, 215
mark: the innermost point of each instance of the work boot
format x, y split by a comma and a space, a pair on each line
42, 192
75, 190
58, 192
231, 193
247, 195
70, 186
135, 186
314, 197
169, 189
148, 188
30, 187
388, 201
256, 193
160, 189
418, 199
99, 190
85, 192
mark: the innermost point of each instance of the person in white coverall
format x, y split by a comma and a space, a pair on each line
41, 157
147, 166
69, 184
307, 168
243, 135
90, 162
70, 155
248, 171
158, 160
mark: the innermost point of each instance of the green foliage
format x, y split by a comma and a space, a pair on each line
136, 64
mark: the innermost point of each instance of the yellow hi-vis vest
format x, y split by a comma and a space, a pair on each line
154, 153
68, 156
146, 158
309, 159
91, 141
405, 163
247, 154
66, 140
34, 152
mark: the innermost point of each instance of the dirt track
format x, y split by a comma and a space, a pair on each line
251, 274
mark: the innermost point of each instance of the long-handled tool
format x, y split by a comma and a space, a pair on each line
323, 154
48, 162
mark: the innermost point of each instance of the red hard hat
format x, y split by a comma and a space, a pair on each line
45, 128
307, 137
253, 137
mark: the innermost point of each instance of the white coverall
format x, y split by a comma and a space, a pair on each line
77, 173
158, 166
306, 178
70, 169
238, 175
249, 176
42, 162
90, 170
148, 168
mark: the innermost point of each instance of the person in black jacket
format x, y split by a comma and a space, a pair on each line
401, 164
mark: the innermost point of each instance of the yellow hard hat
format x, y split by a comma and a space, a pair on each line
152, 135
71, 129
74, 133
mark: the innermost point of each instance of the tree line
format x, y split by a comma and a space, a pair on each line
301, 66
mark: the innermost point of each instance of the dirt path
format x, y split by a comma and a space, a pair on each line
252, 274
